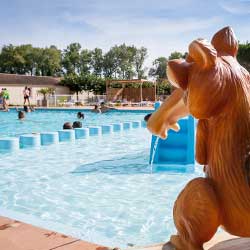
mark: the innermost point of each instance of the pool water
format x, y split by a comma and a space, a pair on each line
100, 189
53, 120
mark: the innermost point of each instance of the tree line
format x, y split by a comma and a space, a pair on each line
84, 69
121, 62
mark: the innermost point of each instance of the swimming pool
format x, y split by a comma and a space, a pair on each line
53, 120
100, 189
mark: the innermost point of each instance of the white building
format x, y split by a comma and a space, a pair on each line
15, 85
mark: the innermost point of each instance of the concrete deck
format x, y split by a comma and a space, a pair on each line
16, 235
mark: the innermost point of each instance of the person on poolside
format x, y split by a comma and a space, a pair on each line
5, 97
67, 125
96, 109
1, 96
77, 124
80, 115
1, 99
26, 95
21, 115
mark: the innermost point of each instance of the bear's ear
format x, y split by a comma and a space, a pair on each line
202, 53
225, 42
177, 71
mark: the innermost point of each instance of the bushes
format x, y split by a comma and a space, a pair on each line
164, 88
132, 85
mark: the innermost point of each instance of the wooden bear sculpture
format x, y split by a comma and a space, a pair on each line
215, 89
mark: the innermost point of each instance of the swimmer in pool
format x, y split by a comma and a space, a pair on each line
80, 115
21, 115
77, 124
67, 125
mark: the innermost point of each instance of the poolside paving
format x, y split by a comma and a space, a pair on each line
16, 235
127, 108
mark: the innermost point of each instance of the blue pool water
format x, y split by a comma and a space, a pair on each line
100, 189
53, 120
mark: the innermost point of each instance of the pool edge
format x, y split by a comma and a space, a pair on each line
16, 235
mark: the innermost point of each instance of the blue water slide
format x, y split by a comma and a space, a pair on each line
178, 148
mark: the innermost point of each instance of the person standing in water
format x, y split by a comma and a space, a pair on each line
96, 109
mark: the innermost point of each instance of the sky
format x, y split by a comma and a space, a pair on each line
162, 26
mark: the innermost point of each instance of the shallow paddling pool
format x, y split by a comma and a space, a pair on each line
100, 189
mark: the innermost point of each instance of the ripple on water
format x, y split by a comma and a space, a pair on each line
101, 187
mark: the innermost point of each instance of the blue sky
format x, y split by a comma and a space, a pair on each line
162, 26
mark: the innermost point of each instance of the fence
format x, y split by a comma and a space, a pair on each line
70, 100
131, 94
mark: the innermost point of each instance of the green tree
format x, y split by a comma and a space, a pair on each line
49, 63
97, 61
159, 69
93, 83
53, 61
25, 63
98, 85
126, 56
110, 63
33, 61
85, 61
74, 83
11, 61
84, 82
38, 62
244, 55
139, 59
71, 58
119, 62
25, 59
176, 55
164, 88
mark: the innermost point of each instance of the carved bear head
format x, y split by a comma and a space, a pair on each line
210, 75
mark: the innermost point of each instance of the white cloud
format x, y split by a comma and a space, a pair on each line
236, 6
150, 26
160, 35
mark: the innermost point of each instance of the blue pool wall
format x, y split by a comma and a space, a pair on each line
10, 144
